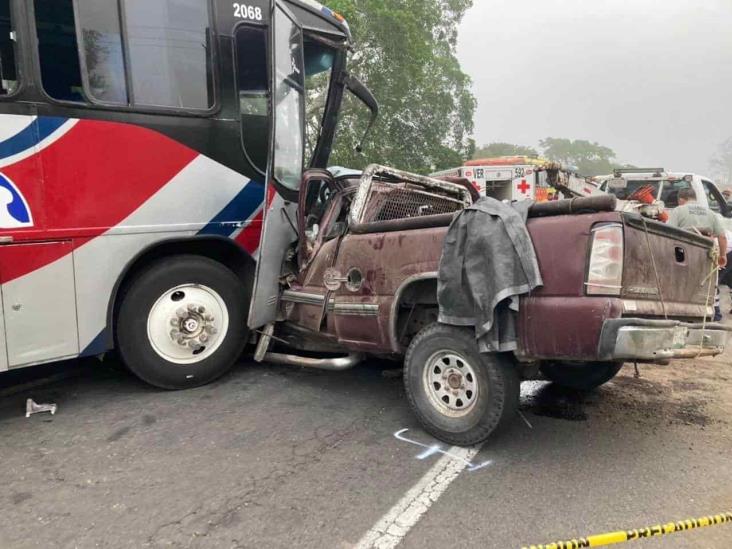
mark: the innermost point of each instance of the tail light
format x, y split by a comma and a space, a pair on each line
605, 273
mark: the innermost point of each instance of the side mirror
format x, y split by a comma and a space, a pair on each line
357, 88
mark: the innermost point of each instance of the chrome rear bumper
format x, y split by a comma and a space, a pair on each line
651, 340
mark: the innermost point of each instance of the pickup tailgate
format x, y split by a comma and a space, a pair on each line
682, 270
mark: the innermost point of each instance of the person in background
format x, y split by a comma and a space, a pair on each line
693, 217
725, 276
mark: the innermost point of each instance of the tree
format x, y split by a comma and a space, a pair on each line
589, 158
504, 149
405, 53
721, 162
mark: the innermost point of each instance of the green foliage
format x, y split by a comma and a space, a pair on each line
589, 158
405, 53
504, 149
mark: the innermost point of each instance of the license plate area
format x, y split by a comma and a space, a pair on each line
679, 338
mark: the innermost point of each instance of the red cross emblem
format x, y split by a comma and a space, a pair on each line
523, 186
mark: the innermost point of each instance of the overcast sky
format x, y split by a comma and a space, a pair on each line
651, 79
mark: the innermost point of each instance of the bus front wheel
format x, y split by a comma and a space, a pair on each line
182, 322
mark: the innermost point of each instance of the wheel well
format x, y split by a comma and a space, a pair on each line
415, 307
220, 249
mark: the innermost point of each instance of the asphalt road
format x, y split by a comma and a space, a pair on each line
273, 456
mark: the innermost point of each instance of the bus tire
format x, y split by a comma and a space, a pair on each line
583, 376
182, 322
460, 395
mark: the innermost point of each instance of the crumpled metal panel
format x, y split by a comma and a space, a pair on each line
358, 208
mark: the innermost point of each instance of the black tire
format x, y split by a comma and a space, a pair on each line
583, 376
495, 401
134, 345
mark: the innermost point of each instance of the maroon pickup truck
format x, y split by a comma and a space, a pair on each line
362, 280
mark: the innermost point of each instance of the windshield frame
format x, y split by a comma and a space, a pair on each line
329, 121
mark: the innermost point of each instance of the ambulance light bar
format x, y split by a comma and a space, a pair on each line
654, 171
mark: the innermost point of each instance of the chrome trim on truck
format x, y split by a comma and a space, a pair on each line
643, 339
337, 307
292, 296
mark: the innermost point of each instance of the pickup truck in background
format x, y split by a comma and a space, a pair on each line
665, 187
362, 280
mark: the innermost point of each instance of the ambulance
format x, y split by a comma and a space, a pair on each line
514, 178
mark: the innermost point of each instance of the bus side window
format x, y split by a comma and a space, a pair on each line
101, 52
8, 75
170, 47
58, 49
252, 85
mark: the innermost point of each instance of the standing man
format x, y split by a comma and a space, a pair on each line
690, 215
725, 275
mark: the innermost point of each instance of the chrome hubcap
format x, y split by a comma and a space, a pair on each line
187, 323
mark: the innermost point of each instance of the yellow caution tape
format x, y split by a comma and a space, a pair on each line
622, 536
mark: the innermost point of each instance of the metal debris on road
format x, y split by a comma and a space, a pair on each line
526, 421
32, 407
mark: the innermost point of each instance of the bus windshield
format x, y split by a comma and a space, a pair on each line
319, 60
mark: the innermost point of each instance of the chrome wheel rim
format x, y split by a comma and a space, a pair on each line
187, 324
451, 383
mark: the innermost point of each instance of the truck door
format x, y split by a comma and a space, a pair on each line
285, 162
715, 200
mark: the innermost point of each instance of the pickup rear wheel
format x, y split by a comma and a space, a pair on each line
182, 322
460, 396
583, 376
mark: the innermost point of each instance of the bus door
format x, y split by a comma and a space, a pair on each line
285, 161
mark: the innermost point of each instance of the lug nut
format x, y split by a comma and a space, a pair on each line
174, 334
203, 338
211, 330
181, 312
208, 318
192, 308
174, 321
201, 309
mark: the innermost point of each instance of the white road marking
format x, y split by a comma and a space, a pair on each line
389, 531
432, 449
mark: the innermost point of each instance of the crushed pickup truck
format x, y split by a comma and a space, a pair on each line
362, 280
